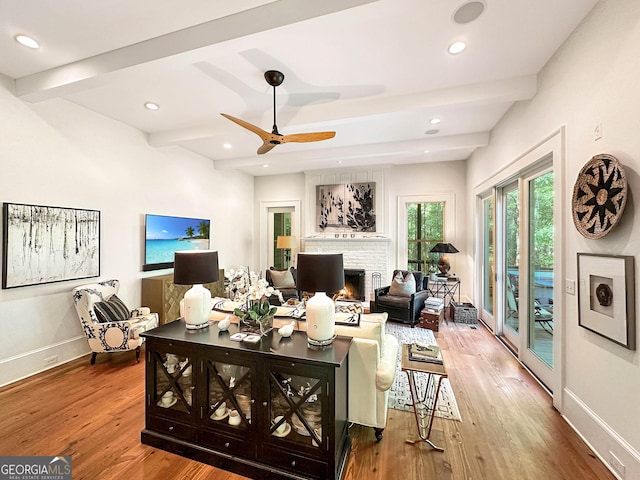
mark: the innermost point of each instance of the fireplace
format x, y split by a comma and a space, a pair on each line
353, 290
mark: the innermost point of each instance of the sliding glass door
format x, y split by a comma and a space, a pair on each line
488, 289
540, 271
511, 262
526, 234
519, 230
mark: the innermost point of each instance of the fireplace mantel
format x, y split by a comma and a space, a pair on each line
348, 238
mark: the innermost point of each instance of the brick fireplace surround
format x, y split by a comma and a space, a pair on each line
370, 254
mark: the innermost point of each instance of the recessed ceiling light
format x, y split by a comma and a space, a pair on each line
151, 106
435, 121
227, 145
457, 47
27, 41
427, 151
266, 165
432, 131
339, 161
468, 12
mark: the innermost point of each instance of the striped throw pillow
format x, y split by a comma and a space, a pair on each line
113, 310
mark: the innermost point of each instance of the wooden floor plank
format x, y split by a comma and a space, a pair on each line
509, 427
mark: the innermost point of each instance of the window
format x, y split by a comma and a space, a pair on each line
425, 228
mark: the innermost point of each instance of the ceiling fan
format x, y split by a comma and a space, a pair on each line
270, 140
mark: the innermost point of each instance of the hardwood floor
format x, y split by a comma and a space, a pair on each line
509, 429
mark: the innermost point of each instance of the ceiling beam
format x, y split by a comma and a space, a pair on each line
89, 72
508, 90
356, 152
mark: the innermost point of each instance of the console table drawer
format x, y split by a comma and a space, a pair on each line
242, 447
295, 463
174, 429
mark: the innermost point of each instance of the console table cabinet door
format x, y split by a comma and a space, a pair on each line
230, 390
170, 381
297, 395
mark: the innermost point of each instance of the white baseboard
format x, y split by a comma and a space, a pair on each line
600, 437
26, 364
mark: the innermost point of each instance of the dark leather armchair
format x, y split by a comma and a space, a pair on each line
400, 308
287, 293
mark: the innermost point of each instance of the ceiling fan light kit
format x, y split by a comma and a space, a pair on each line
270, 140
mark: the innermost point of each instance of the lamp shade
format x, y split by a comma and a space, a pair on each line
285, 241
444, 248
320, 272
193, 267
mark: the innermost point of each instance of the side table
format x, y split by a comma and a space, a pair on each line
445, 288
424, 403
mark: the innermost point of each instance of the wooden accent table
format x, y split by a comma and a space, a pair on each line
424, 403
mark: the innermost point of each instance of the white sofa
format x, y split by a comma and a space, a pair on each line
372, 369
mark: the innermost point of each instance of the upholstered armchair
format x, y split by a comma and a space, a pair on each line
284, 281
404, 307
372, 369
107, 323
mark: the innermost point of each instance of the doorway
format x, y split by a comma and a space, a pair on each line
278, 220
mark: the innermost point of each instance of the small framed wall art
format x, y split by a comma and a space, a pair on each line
49, 244
606, 297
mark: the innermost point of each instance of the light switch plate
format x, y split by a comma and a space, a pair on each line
570, 286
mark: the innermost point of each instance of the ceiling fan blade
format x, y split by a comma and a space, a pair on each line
257, 130
265, 147
308, 137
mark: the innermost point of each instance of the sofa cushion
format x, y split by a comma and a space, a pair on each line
113, 310
282, 279
371, 327
403, 287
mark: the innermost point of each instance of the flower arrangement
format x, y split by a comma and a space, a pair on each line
253, 292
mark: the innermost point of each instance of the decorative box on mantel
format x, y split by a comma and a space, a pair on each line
370, 253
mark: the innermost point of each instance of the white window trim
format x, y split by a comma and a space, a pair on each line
449, 200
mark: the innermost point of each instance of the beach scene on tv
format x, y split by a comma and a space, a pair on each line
167, 235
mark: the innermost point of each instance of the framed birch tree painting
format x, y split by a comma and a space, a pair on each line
49, 244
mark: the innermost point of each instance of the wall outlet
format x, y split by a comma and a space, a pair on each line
51, 360
570, 287
616, 464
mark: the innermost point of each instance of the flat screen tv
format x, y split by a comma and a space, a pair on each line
163, 236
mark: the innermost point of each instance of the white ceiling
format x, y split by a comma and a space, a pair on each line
374, 71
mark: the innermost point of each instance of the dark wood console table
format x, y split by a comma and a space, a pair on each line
272, 410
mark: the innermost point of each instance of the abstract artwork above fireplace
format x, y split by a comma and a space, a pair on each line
348, 207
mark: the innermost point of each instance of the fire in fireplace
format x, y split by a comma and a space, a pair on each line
353, 285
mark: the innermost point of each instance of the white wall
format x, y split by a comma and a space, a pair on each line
440, 180
413, 179
58, 154
593, 78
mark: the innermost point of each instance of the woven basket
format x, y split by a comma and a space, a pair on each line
599, 196
463, 312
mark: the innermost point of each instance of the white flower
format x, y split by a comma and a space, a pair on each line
247, 286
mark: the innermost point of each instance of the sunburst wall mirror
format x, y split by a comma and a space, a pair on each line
599, 196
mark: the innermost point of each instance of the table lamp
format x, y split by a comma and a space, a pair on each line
443, 264
286, 242
321, 273
195, 267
